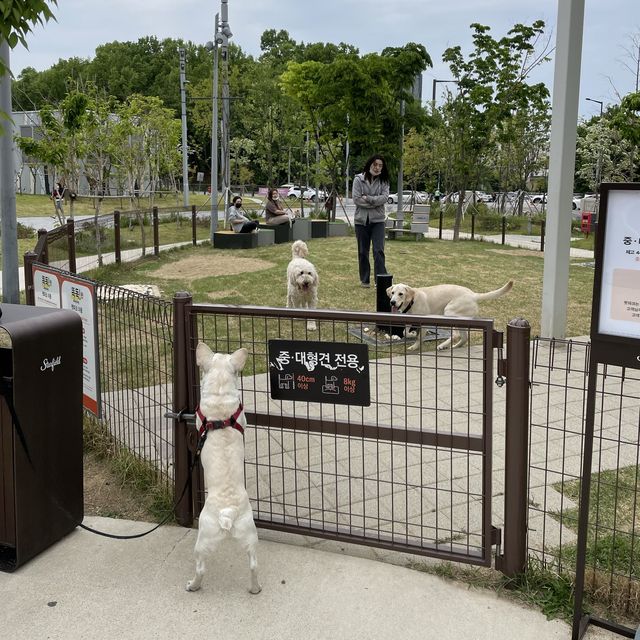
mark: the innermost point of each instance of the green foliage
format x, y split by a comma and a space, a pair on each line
18, 16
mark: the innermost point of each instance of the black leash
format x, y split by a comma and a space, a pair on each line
6, 391
168, 516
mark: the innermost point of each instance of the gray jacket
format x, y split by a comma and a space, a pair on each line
369, 198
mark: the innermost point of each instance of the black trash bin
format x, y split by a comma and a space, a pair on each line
41, 496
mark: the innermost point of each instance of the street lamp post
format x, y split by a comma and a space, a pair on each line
433, 91
599, 162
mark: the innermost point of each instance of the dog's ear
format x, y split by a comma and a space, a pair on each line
390, 291
204, 355
238, 359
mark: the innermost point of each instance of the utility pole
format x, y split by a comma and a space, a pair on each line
183, 105
225, 32
8, 223
346, 162
400, 163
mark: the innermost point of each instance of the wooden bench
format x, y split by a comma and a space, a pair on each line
231, 240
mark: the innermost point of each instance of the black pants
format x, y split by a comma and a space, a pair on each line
366, 234
248, 227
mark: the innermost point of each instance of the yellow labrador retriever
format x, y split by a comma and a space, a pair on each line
441, 300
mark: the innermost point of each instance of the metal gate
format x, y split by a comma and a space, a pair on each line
411, 471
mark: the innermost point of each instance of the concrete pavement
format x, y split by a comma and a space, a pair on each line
88, 587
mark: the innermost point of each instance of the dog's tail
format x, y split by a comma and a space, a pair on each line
227, 517
490, 295
299, 249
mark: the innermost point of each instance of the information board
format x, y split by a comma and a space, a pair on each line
330, 372
63, 291
616, 301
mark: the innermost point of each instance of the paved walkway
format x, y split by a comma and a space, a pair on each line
91, 588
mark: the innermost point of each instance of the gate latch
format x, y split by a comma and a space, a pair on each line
497, 340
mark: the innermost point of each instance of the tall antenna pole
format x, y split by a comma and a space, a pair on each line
183, 105
213, 227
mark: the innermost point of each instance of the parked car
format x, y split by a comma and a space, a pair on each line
310, 194
537, 198
417, 197
294, 192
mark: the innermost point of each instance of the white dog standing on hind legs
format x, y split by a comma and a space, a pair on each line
227, 511
441, 300
302, 281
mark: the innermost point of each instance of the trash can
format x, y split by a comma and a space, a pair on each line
585, 222
41, 493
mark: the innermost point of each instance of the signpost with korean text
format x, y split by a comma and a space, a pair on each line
615, 320
65, 291
331, 372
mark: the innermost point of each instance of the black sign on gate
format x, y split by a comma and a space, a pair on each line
331, 372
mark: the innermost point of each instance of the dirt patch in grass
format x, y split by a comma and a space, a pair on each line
194, 267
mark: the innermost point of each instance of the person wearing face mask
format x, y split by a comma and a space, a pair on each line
370, 192
238, 219
274, 213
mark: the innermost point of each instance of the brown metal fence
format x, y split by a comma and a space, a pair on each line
558, 411
410, 472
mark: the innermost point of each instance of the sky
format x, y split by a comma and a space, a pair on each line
370, 25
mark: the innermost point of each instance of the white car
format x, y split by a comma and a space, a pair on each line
294, 192
416, 197
310, 194
538, 198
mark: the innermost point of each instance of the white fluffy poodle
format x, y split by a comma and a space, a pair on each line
302, 281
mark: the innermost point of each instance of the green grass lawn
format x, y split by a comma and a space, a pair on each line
478, 265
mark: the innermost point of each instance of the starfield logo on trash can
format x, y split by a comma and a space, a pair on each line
50, 364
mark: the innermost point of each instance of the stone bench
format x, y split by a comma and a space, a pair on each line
231, 240
282, 232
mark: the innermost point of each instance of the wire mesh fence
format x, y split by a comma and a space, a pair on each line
558, 412
136, 372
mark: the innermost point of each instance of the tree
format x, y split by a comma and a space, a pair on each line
18, 16
61, 146
494, 102
361, 92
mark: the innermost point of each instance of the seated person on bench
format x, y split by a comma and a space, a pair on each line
237, 218
274, 213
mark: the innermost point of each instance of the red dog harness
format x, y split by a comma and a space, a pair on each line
220, 424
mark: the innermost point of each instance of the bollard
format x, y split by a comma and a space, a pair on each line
504, 227
193, 224
440, 226
116, 231
473, 226
156, 232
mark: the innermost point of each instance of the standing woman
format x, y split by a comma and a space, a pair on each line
274, 213
370, 193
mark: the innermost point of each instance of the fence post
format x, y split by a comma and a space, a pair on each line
116, 236
504, 227
156, 232
193, 224
440, 225
29, 258
542, 228
45, 248
71, 244
514, 559
182, 456
473, 226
